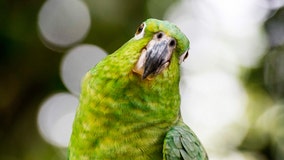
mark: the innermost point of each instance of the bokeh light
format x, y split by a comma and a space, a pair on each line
223, 42
232, 84
63, 22
220, 34
272, 4
56, 115
77, 62
226, 37
211, 102
55, 118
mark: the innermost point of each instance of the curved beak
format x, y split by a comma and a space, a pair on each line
156, 56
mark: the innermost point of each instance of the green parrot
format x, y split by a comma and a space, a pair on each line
129, 105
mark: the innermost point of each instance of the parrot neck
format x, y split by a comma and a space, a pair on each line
121, 115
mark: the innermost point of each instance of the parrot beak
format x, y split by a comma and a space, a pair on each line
156, 56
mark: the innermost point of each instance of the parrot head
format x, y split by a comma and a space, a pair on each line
162, 43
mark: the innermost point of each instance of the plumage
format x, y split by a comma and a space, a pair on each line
130, 103
181, 143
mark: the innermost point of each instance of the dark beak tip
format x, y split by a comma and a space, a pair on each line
143, 77
145, 74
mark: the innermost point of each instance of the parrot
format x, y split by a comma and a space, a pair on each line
129, 105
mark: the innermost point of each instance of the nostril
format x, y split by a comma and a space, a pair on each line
172, 43
160, 35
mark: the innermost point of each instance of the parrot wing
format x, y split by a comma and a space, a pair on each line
181, 143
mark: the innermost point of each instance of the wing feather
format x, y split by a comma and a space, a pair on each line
182, 144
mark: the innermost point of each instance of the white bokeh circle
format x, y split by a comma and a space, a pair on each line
77, 62
63, 22
55, 118
211, 102
226, 37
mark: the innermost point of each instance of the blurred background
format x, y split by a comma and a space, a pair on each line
232, 84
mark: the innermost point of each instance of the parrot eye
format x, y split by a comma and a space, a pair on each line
140, 31
183, 57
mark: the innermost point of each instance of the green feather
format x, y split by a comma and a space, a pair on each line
181, 143
121, 115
